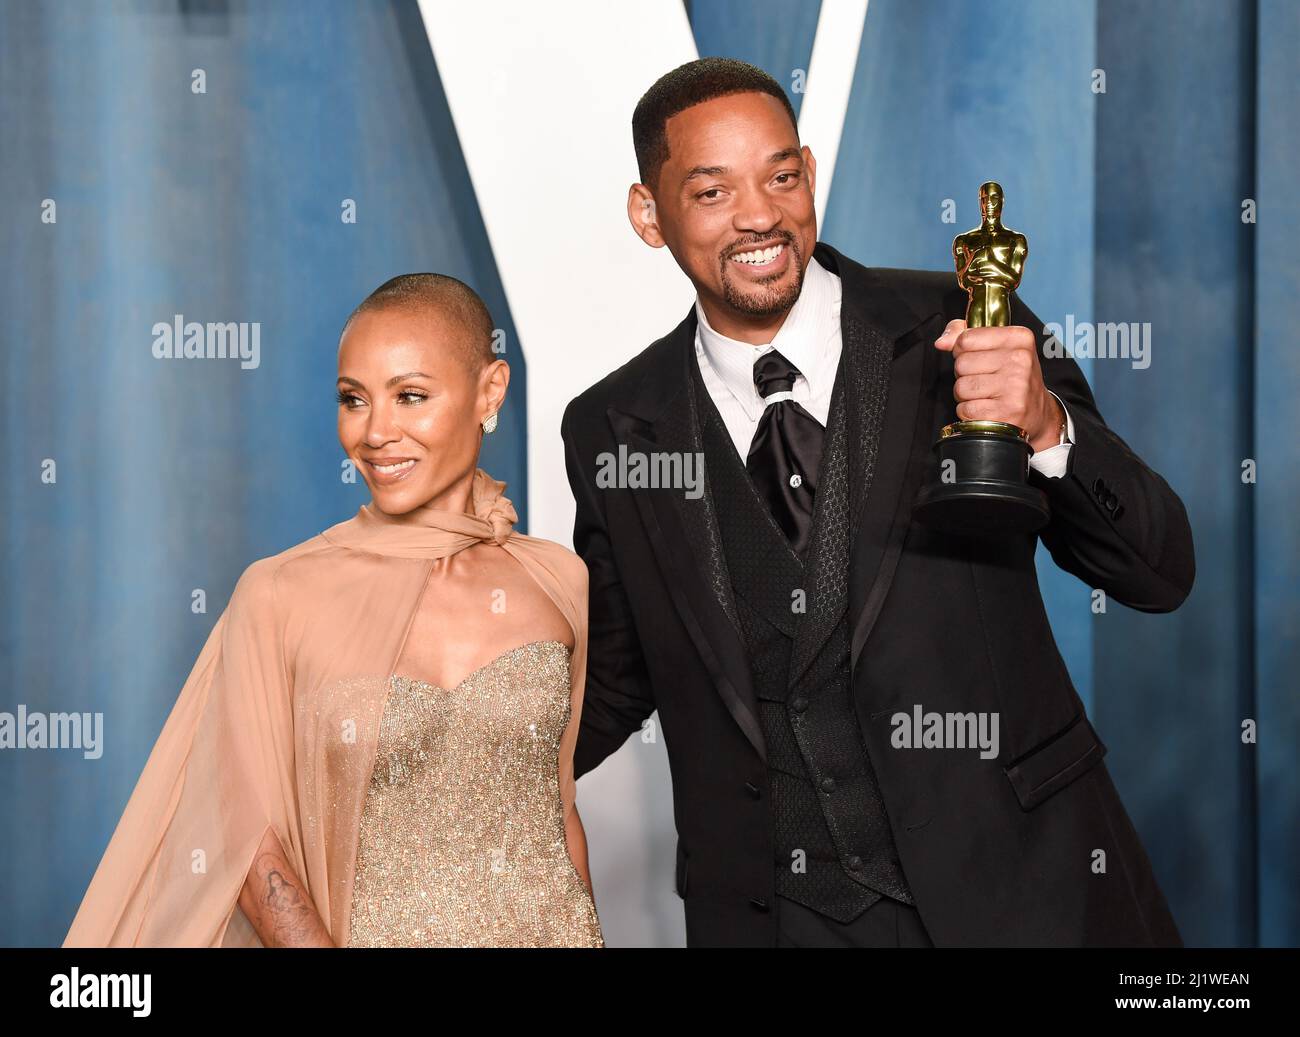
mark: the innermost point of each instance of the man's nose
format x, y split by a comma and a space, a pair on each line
756, 213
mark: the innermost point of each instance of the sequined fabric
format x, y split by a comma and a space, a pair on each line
462, 837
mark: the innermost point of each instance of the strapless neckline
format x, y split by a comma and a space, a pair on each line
462, 840
507, 654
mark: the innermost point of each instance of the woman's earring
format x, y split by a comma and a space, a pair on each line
490, 423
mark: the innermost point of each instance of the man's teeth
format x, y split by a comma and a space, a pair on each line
389, 469
760, 258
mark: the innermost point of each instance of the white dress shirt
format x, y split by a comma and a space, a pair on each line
810, 339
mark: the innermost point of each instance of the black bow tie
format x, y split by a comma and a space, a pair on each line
785, 452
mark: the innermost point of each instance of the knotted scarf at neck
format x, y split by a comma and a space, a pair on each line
426, 532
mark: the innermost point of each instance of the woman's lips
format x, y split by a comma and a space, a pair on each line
387, 472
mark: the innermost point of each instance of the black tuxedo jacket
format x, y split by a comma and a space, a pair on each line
1031, 848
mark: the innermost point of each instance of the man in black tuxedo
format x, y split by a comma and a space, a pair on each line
789, 622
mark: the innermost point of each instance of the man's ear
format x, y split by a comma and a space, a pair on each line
643, 215
811, 164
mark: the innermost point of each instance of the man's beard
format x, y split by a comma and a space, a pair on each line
768, 302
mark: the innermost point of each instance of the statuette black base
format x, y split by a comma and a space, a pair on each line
990, 495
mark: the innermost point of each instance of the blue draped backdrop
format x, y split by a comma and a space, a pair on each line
226, 206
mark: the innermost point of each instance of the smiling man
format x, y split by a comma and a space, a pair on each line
778, 620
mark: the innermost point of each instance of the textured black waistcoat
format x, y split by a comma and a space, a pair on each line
834, 850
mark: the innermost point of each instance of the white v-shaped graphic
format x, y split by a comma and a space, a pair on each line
542, 98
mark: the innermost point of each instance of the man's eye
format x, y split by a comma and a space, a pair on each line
784, 177
711, 194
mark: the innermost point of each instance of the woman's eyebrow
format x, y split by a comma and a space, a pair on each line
403, 377
391, 382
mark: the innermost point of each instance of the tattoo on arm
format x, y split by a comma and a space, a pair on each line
278, 905
291, 919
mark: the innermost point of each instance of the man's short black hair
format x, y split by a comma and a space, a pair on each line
448, 296
684, 87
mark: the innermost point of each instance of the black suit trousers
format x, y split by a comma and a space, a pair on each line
886, 923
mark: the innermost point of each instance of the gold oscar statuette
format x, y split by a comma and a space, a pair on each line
981, 487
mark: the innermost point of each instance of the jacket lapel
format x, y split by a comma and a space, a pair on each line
683, 532
873, 442
885, 337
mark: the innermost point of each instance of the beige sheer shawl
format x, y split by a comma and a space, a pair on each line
277, 724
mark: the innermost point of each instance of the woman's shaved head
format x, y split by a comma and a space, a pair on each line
441, 296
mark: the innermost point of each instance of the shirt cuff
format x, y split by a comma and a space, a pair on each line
1052, 461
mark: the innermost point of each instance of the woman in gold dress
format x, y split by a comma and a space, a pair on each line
375, 746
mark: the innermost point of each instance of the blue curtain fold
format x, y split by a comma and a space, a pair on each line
174, 475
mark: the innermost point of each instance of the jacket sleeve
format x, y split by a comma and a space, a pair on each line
1115, 523
618, 696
